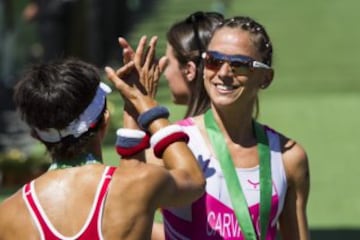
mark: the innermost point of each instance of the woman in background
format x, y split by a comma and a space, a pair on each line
186, 40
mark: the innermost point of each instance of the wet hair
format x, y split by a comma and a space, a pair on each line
188, 39
259, 38
54, 94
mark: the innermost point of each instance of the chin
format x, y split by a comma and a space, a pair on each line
224, 102
179, 100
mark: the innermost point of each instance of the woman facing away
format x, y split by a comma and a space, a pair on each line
64, 103
257, 180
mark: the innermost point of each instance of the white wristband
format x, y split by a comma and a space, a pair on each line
164, 132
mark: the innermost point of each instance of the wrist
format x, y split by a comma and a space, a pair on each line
166, 136
148, 117
131, 141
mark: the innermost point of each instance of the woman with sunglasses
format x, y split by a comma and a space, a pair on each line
257, 178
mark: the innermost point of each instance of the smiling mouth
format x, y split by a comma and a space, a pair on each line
223, 87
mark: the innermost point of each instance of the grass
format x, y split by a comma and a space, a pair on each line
326, 126
313, 99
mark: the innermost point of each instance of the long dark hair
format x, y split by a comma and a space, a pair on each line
189, 38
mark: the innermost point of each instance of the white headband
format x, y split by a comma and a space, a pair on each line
81, 124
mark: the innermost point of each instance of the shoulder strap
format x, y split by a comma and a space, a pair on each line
93, 229
37, 215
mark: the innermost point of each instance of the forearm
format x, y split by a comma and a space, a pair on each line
129, 121
178, 155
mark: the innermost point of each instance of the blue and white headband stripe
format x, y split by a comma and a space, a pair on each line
81, 124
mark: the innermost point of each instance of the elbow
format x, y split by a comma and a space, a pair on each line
200, 186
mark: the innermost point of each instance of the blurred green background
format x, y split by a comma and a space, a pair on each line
314, 99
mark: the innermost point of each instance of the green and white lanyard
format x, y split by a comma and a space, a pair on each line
236, 193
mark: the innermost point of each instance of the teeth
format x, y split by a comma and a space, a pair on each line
225, 87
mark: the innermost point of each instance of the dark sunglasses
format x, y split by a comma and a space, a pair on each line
239, 64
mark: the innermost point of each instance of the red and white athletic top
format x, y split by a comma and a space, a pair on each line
92, 227
212, 217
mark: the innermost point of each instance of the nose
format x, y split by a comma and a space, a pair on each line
225, 70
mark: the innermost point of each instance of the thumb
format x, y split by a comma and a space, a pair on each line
163, 63
128, 51
125, 70
120, 85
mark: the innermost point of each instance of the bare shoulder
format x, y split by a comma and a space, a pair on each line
293, 219
9, 204
9, 212
295, 159
152, 184
141, 176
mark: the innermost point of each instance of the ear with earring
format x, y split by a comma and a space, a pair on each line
268, 79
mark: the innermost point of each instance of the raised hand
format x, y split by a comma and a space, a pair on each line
148, 67
131, 93
142, 72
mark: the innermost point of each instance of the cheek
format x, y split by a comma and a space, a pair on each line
208, 75
170, 74
175, 78
168, 69
167, 73
171, 70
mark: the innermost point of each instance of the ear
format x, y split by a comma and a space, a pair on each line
190, 71
267, 80
105, 124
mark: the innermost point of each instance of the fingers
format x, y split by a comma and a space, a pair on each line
123, 43
127, 56
163, 63
118, 83
139, 52
155, 81
130, 94
147, 67
151, 52
128, 51
125, 70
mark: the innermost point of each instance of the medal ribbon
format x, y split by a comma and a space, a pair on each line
236, 193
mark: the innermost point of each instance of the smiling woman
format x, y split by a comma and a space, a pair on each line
256, 177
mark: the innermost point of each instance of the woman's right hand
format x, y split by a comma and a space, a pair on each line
147, 75
142, 73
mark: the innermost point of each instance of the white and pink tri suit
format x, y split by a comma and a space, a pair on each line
211, 217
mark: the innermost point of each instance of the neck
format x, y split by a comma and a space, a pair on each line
92, 154
80, 160
236, 123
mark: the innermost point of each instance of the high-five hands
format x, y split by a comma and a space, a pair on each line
137, 80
